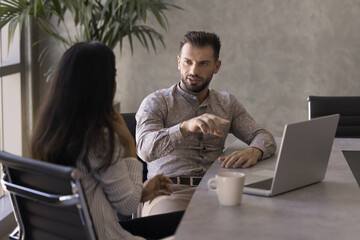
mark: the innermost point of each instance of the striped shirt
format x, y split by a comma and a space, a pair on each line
115, 189
161, 144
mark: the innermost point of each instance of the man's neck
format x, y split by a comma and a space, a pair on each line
201, 96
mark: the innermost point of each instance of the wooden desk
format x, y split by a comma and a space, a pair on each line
326, 210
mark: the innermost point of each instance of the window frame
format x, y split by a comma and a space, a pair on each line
30, 95
24, 68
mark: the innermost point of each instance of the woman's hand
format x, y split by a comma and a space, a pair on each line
156, 186
125, 137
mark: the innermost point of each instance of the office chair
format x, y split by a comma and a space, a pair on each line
131, 124
47, 199
347, 106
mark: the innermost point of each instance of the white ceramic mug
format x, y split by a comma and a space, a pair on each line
229, 187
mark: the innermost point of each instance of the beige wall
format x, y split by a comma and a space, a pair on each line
274, 54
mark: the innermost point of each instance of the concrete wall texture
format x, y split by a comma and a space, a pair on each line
274, 54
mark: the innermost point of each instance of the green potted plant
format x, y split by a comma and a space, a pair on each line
71, 21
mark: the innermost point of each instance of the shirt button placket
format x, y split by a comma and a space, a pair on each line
201, 150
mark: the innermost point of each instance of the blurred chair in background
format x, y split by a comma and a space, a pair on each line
347, 106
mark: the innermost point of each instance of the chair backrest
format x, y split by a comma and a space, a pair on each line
347, 106
130, 121
47, 199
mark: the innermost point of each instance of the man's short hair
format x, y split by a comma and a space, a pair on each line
202, 39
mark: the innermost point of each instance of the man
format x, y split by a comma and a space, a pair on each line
181, 130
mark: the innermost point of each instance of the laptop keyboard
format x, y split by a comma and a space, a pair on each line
265, 184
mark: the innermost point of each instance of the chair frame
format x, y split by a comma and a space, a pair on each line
17, 192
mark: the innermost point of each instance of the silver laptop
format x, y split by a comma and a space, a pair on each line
302, 159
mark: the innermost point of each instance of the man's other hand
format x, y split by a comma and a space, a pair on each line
244, 158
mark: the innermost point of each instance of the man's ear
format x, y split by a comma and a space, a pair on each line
178, 61
217, 66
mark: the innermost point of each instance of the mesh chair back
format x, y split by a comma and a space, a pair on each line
47, 199
348, 107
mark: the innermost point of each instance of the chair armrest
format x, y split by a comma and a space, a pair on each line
47, 198
15, 235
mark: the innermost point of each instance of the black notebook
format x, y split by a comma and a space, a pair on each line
353, 159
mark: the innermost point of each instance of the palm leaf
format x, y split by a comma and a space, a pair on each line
108, 21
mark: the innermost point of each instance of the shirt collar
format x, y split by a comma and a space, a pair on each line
192, 98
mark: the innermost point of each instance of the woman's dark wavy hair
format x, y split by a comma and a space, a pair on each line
77, 107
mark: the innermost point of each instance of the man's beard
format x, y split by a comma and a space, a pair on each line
193, 88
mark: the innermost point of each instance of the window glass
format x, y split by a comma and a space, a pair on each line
11, 103
9, 55
10, 97
11, 115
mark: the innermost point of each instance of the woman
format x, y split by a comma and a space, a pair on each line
78, 126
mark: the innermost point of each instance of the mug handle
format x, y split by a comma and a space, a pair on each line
211, 180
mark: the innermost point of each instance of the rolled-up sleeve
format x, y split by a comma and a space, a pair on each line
153, 139
121, 183
246, 129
